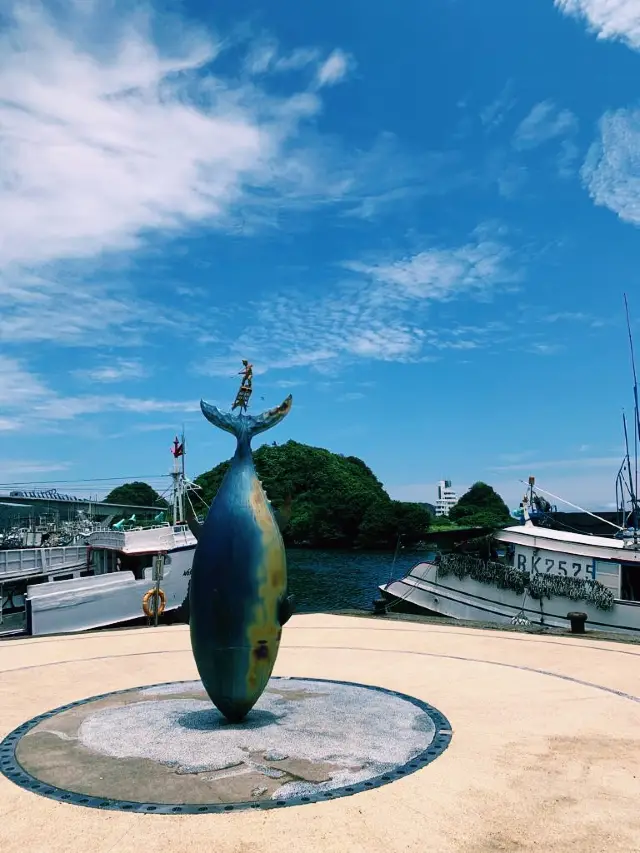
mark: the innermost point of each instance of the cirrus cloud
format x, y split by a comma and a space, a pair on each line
379, 313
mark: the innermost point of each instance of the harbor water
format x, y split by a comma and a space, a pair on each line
322, 581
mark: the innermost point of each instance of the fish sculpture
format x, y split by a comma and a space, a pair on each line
238, 597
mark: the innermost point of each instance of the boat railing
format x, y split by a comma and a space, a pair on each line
27, 561
113, 539
160, 538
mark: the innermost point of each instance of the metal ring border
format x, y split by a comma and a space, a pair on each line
11, 768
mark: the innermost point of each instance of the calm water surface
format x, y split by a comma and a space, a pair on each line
341, 580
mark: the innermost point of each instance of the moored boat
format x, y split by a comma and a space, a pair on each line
123, 574
532, 574
543, 577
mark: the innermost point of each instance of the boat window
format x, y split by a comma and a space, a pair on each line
630, 582
136, 563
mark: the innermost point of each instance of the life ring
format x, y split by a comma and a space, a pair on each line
149, 610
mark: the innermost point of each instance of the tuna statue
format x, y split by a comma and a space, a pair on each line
238, 597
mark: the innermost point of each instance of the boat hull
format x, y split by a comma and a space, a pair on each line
104, 600
471, 600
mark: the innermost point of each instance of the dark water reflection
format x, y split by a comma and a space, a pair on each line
339, 580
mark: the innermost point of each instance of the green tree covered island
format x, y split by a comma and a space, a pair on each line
335, 501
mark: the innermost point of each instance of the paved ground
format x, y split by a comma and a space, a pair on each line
545, 754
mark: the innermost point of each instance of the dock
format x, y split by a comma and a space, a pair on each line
544, 752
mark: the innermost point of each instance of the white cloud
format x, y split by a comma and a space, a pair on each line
612, 462
379, 313
609, 19
69, 309
115, 125
11, 467
565, 315
56, 408
542, 348
385, 343
351, 397
494, 114
544, 123
414, 492
9, 424
168, 426
100, 143
117, 370
372, 187
31, 404
266, 56
439, 274
333, 69
611, 171
592, 489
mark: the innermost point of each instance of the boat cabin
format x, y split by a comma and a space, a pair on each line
615, 563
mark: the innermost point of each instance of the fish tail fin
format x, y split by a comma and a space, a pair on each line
246, 426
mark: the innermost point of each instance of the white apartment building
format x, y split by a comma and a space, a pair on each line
446, 499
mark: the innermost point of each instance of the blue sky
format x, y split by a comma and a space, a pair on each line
419, 219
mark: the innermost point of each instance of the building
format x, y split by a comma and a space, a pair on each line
446, 499
19, 507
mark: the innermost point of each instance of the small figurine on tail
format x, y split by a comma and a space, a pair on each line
245, 391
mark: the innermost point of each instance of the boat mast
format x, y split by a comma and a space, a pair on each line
182, 479
632, 491
633, 481
178, 479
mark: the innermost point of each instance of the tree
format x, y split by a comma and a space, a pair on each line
336, 501
135, 494
442, 522
413, 520
480, 506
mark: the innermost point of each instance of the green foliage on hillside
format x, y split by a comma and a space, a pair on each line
481, 506
337, 501
135, 494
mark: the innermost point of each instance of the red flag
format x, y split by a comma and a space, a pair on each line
178, 448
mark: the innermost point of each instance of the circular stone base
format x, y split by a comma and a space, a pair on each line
166, 749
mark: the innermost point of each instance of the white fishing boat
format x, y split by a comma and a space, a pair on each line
42, 551
532, 574
124, 574
541, 576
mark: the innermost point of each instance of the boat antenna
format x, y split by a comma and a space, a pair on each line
575, 506
634, 483
632, 491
